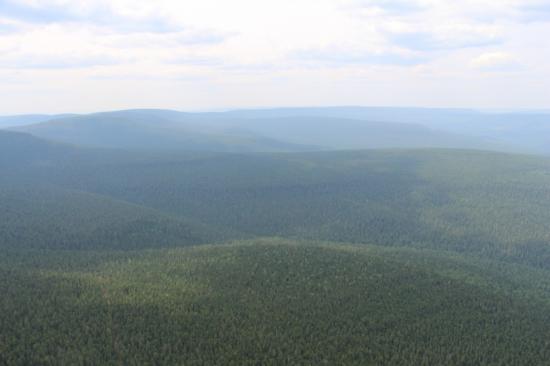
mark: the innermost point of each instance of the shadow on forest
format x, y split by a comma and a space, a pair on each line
260, 303
354, 196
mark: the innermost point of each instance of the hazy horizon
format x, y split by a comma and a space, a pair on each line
282, 107
78, 56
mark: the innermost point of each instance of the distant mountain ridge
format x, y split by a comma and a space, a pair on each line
244, 131
28, 119
525, 130
152, 130
295, 129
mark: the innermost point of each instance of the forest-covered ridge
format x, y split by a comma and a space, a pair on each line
230, 132
386, 257
271, 301
294, 129
459, 200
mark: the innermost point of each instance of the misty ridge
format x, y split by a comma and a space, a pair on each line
295, 129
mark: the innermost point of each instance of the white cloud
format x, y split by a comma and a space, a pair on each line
494, 61
249, 51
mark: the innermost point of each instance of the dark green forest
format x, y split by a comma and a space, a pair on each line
367, 257
270, 302
486, 204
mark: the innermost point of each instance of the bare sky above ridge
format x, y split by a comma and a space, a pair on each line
90, 55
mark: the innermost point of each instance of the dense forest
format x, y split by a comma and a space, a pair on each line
479, 203
382, 257
270, 302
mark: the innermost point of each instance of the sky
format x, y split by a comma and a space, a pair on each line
90, 55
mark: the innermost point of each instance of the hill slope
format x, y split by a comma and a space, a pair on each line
171, 130
96, 268
43, 217
23, 120
151, 130
20, 148
464, 201
345, 133
456, 200
529, 131
267, 302
38, 214
322, 127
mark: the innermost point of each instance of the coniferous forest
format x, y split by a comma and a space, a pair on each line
363, 257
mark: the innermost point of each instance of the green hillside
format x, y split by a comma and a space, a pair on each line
270, 302
375, 257
484, 204
52, 218
20, 148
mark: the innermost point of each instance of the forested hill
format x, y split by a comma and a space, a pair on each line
527, 130
28, 119
456, 200
150, 130
38, 213
383, 257
266, 302
18, 147
296, 129
229, 132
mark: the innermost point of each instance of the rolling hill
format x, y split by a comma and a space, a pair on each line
527, 131
28, 119
345, 133
151, 130
386, 257
295, 129
453, 200
38, 214
223, 132
270, 301
44, 217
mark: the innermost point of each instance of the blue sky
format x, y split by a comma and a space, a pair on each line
90, 55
